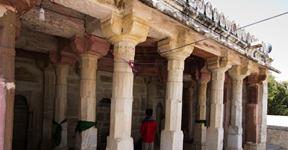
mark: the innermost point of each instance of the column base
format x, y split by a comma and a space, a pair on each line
88, 139
200, 137
119, 143
253, 146
215, 138
234, 140
63, 143
199, 147
171, 140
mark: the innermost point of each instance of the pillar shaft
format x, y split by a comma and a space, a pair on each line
122, 98
235, 131
218, 66
88, 100
215, 130
62, 72
254, 112
263, 123
7, 86
125, 36
172, 136
200, 127
90, 49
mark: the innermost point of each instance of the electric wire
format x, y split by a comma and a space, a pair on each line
248, 25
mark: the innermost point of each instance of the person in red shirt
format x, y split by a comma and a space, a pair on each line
148, 130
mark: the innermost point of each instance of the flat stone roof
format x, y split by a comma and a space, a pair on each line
273, 120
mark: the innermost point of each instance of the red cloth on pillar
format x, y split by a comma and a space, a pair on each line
148, 130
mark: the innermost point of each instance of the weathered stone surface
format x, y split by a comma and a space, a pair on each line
277, 136
172, 136
235, 131
36, 41
215, 130
54, 23
48, 4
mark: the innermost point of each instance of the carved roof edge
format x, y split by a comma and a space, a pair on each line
203, 18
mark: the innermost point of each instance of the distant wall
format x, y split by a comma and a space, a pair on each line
277, 136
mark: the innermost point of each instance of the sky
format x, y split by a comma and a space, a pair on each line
274, 31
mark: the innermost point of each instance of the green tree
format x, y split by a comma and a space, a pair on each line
278, 97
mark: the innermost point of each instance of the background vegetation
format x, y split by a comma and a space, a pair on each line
277, 97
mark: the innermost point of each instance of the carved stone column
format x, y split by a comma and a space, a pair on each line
63, 63
218, 67
7, 85
172, 136
201, 121
125, 33
90, 50
253, 119
235, 131
263, 112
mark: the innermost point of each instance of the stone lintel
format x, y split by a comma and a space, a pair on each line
90, 44
129, 28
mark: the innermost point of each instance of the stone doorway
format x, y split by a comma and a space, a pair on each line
20, 124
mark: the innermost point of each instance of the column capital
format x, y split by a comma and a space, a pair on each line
219, 63
63, 56
174, 47
90, 44
205, 75
130, 28
256, 78
240, 71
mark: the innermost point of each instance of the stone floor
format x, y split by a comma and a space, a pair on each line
274, 147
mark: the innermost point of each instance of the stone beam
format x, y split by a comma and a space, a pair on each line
93, 26
54, 23
48, 4
36, 41
92, 7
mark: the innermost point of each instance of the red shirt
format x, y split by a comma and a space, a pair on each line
148, 129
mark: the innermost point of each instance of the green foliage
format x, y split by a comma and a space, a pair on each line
278, 97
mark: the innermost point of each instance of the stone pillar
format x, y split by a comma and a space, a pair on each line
263, 112
134, 31
7, 85
253, 119
215, 132
235, 131
62, 72
63, 63
90, 49
201, 121
172, 136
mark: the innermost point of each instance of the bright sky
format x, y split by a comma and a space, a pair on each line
274, 31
